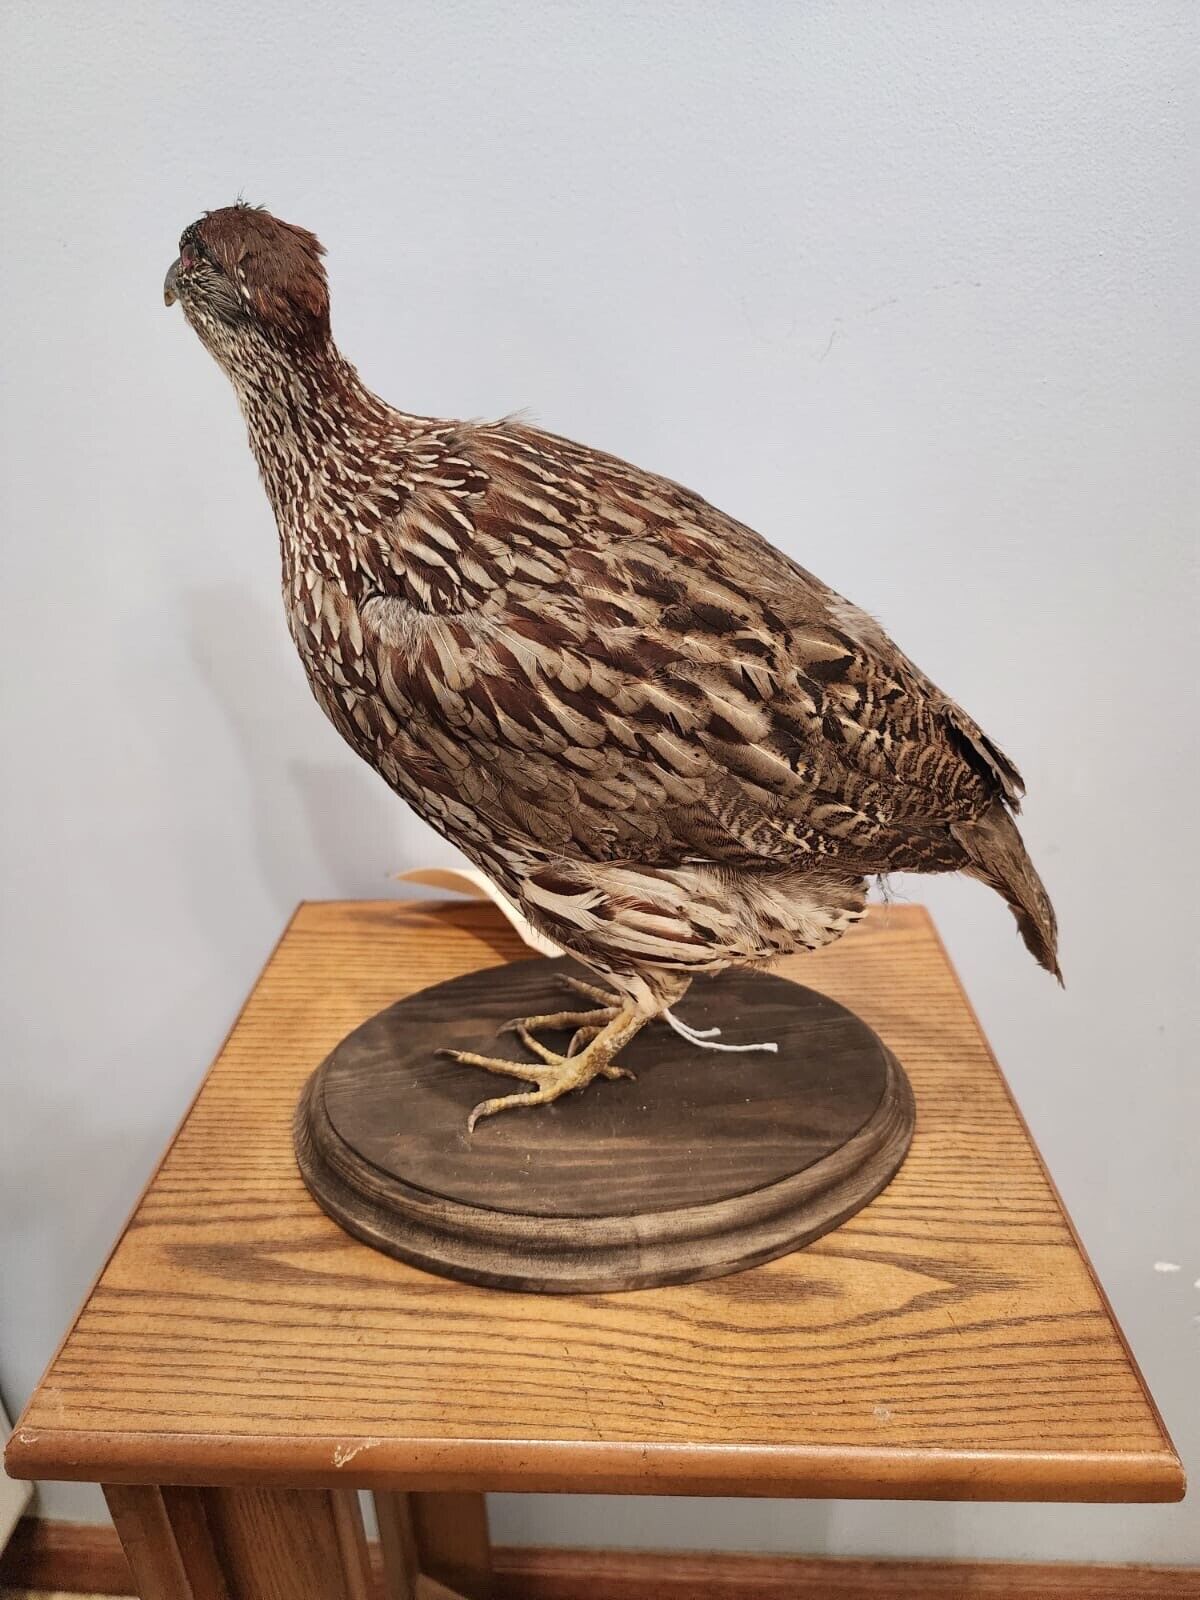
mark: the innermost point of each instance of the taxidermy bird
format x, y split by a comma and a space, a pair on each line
672, 749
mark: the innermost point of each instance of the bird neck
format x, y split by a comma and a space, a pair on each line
311, 422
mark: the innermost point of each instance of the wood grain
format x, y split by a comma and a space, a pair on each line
167, 1543
289, 1544
242, 1544
949, 1341
397, 1546
77, 1558
451, 1535
700, 1166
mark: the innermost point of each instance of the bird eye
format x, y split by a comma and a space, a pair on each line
188, 257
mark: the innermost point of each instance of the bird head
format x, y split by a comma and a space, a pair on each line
248, 282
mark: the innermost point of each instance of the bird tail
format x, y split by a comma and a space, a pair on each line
997, 856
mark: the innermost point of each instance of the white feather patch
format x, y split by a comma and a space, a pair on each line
477, 885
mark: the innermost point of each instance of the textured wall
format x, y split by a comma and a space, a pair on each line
910, 287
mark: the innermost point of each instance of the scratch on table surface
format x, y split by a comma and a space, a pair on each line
343, 1453
585, 1391
1167, 1266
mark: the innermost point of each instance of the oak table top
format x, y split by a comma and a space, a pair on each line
949, 1342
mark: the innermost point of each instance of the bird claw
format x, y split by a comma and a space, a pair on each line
554, 1079
594, 1019
552, 1075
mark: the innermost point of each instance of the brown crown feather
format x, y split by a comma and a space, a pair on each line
276, 264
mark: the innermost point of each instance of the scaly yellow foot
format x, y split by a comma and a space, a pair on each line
554, 1075
587, 1024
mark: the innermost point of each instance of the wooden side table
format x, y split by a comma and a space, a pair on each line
242, 1366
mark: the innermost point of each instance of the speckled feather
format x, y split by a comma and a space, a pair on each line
670, 745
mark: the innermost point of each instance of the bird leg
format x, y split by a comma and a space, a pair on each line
606, 997
553, 1074
587, 1024
696, 1036
580, 1020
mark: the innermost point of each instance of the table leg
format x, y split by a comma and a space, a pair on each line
242, 1544
438, 1537
167, 1542
397, 1546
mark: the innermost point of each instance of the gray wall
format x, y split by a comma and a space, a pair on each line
909, 287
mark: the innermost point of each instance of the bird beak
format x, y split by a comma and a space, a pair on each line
171, 284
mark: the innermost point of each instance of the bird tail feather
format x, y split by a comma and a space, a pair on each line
997, 856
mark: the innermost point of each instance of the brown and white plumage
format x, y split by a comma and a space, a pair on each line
673, 748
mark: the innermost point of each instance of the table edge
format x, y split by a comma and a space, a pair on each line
588, 1466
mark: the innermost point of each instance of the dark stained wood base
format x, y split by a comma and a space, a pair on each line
708, 1163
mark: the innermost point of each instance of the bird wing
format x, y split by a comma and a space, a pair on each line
592, 662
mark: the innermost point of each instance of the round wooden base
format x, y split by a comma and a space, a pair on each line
707, 1163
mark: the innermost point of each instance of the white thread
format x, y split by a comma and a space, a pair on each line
699, 1033
703, 1037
